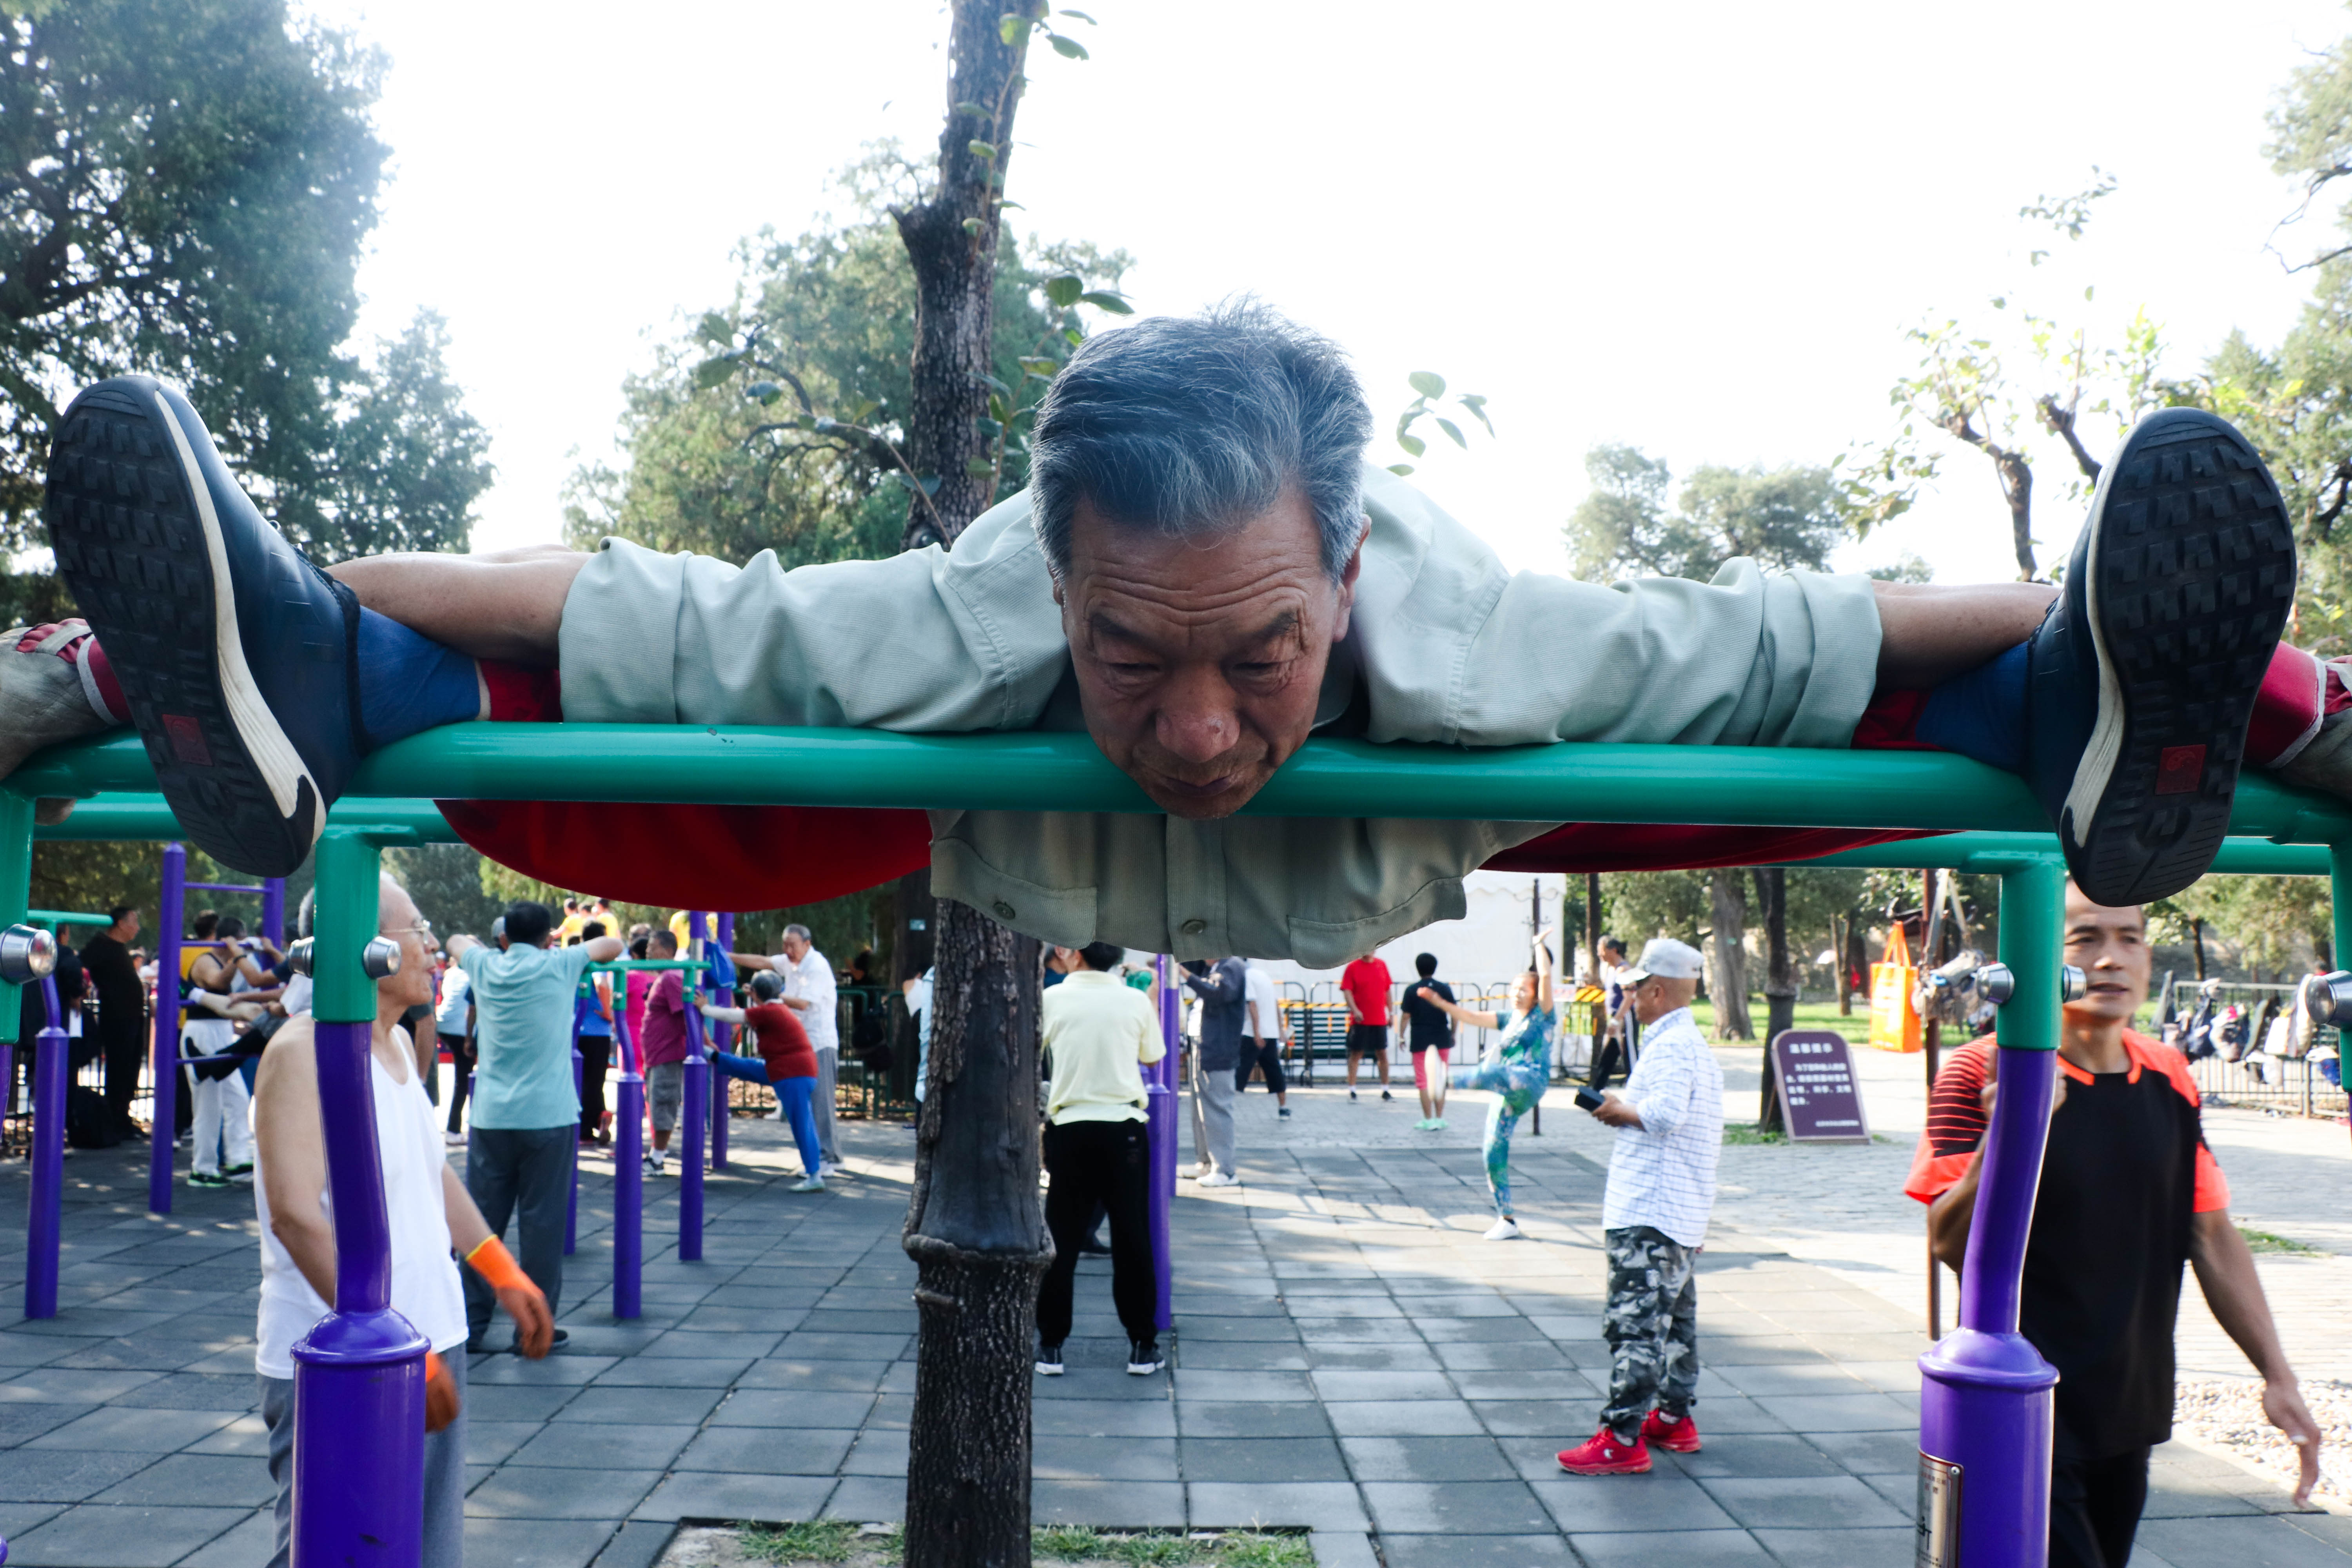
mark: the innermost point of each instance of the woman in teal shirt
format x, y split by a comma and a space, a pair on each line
1517, 1069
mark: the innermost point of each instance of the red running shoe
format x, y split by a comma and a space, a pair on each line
1603, 1455
1675, 1436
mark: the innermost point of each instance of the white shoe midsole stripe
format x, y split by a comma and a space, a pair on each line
2106, 742
281, 766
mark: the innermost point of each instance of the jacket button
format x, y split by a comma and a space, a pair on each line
1193, 928
1004, 912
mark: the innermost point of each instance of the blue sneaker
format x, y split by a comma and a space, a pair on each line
235, 652
2143, 676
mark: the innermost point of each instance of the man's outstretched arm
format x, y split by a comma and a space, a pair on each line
2225, 1272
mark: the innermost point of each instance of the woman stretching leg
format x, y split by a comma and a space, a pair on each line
786, 1063
1518, 1071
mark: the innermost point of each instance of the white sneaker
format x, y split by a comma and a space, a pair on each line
830, 1168
1504, 1229
1221, 1179
49, 689
454, 1140
807, 1185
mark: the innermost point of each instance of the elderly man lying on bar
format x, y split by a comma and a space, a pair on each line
1202, 572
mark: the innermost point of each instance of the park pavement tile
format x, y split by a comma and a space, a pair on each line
1886, 1452
1869, 1548
1352, 1355
846, 1347
1657, 1501
17, 1518
766, 1450
638, 1544
1471, 1551
1234, 1385
792, 1407
778, 1299
1093, 1417
1197, 1326
1262, 1459
814, 1373
1097, 1383
645, 1406
2194, 1501
242, 1546
672, 1371
35, 1349
711, 1345
534, 1542
1426, 1459
562, 1369
139, 1355
23, 1423
1772, 1453
1335, 1506
195, 1391
1835, 1502
896, 1317
64, 1475
1683, 1548
897, 1411
869, 1499
1110, 1505
1901, 1493
104, 1536
1242, 1355
1839, 1412
878, 1452
493, 1442
710, 1494
55, 1385
510, 1402
1785, 1377
245, 1436
119, 1430
575, 1445
1064, 1458
1467, 1508
1485, 1355
2249, 1542
1574, 1386
197, 1480
1405, 1418
1334, 1386
548, 1492
899, 1378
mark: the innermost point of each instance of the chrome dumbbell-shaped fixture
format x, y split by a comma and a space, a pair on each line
26, 953
2328, 998
380, 957
1998, 982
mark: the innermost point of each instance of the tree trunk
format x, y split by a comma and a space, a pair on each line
976, 1229
2197, 946
1838, 963
951, 239
911, 954
2017, 488
1779, 982
1728, 893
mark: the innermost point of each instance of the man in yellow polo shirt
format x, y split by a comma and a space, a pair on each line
1098, 1152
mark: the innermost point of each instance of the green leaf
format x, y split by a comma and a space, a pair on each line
1081, 15
1405, 419
980, 149
930, 484
1453, 430
1477, 408
1412, 444
1401, 469
972, 226
1073, 336
763, 391
1063, 293
1428, 383
977, 110
997, 408
713, 371
978, 469
715, 329
1012, 28
1103, 299
991, 381
1043, 367
1067, 48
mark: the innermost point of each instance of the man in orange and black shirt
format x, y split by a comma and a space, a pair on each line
2129, 1193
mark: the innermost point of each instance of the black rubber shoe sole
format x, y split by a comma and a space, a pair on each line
131, 546
2192, 576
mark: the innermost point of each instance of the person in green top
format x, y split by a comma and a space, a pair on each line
1518, 1071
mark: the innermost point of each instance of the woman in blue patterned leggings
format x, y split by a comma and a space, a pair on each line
1518, 1070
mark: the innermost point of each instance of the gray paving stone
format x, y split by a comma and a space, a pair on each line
1110, 1505
1833, 1503
1090, 1417
564, 1369
1341, 1548
1839, 1412
774, 1451
1376, 1459
506, 1402
196, 1391
671, 1372
33, 1350
807, 1372
1471, 1551
1333, 1387
1263, 1460
1684, 1548
69, 1475
647, 1406
2242, 1542
1466, 1508
57, 1385
548, 1492
117, 1429
1656, 1501
1769, 1454
243, 1546
1232, 1387
638, 1544
846, 1347
23, 1423
109, 1536
1234, 1355
1405, 1418
1334, 1506
595, 1444
1061, 1457
535, 1543
879, 1451
868, 1500
748, 1498
711, 1345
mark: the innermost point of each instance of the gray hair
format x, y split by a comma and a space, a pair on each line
801, 931
1193, 425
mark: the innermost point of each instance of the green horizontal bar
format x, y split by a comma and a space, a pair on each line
1969, 851
143, 817
1042, 771
647, 965
67, 918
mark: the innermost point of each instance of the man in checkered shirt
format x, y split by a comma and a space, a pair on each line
1669, 1124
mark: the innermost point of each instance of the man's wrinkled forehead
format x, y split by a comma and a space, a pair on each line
2083, 915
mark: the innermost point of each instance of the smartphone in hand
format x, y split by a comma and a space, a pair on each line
1589, 1098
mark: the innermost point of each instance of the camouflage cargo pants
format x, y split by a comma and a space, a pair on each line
1652, 1326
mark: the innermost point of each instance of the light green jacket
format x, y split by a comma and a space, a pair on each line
1446, 645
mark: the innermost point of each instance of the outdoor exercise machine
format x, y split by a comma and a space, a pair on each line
359, 1380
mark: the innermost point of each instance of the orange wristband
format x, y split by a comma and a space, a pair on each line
494, 1263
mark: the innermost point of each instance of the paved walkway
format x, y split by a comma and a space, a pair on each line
1350, 1357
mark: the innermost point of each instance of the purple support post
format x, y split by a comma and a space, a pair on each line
719, 1115
1986, 1404
45, 1223
693, 1121
165, 1108
273, 910
629, 1169
579, 1095
1160, 1094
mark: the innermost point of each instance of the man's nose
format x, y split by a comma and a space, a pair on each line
1198, 726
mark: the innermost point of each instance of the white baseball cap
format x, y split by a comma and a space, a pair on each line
1668, 960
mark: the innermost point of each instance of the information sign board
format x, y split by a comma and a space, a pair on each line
1820, 1099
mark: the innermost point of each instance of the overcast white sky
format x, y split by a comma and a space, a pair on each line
1699, 228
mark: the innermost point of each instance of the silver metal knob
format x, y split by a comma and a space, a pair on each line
380, 958
297, 955
26, 953
2073, 984
1998, 982
2328, 998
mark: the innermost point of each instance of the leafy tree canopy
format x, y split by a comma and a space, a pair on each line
185, 186
777, 421
1781, 518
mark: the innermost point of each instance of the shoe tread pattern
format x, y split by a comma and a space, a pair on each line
129, 543
2195, 578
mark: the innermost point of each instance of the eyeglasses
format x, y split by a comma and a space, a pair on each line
423, 930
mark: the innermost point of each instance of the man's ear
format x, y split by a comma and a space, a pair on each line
1347, 575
